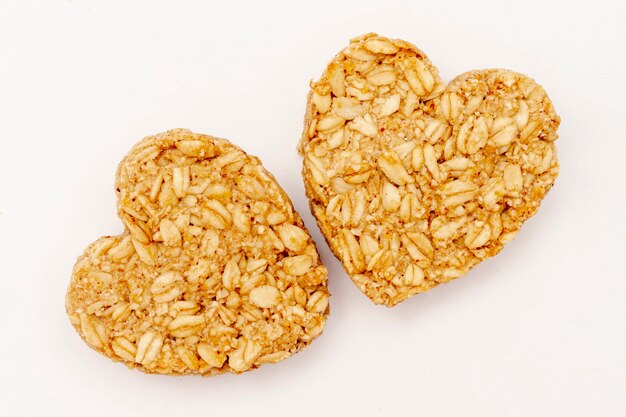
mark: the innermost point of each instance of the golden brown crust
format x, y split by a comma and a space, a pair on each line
215, 271
413, 182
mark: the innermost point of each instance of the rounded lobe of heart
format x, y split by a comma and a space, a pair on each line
214, 272
414, 182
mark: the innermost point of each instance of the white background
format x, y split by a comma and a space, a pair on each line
537, 331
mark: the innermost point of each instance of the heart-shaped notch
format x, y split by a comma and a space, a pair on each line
412, 181
215, 271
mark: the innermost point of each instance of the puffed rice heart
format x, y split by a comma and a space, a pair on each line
215, 271
413, 182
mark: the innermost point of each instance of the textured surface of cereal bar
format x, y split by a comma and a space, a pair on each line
414, 182
215, 271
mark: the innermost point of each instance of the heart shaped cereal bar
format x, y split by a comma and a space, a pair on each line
215, 271
414, 182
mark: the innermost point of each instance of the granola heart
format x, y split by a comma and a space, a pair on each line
412, 181
214, 272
